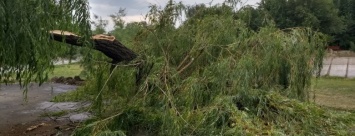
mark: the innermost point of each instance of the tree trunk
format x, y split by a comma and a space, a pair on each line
103, 43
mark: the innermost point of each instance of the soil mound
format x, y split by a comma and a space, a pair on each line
76, 80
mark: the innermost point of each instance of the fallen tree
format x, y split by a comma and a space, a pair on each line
106, 44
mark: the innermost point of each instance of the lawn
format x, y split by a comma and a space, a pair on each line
69, 70
338, 93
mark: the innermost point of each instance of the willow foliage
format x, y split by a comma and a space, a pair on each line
212, 76
25, 47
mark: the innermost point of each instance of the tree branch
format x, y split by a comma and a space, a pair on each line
108, 45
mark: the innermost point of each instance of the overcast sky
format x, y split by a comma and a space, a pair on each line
136, 9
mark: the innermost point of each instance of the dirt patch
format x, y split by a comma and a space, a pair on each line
76, 80
40, 128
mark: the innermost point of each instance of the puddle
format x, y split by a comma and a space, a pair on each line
66, 106
80, 117
54, 107
14, 109
60, 88
29, 112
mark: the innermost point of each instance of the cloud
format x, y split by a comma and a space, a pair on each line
134, 18
107, 7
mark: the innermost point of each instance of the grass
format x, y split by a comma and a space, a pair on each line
68, 70
338, 93
72, 96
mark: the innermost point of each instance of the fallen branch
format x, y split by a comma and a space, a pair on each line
106, 44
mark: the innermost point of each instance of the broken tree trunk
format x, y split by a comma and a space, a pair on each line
108, 45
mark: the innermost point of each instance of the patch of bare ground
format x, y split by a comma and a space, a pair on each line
40, 128
76, 80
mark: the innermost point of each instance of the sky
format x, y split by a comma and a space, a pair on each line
136, 9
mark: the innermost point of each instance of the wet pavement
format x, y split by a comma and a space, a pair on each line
339, 67
14, 109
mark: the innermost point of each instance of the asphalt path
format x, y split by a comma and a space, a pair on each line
15, 109
339, 67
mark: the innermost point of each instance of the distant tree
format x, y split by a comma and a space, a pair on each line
117, 18
123, 31
201, 11
346, 11
195, 10
320, 15
128, 33
99, 25
253, 17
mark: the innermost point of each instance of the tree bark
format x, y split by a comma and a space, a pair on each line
108, 45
